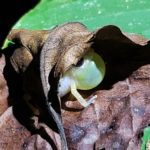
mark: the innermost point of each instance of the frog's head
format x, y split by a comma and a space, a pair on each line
88, 72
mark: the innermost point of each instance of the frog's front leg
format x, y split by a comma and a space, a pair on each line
85, 75
80, 99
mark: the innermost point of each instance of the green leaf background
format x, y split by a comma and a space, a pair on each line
130, 15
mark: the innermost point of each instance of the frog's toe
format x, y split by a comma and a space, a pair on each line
91, 100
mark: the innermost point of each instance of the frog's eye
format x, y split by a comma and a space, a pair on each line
79, 63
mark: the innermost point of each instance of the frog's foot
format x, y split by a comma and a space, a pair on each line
80, 99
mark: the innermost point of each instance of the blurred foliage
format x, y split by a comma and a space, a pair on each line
129, 15
145, 138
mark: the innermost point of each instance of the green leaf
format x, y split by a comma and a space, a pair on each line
129, 15
145, 138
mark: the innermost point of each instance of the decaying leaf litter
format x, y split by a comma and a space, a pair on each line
120, 112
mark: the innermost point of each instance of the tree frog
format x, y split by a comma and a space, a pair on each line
85, 75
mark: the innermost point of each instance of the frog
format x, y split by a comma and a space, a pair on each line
87, 74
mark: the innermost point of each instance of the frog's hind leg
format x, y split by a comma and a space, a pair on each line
80, 99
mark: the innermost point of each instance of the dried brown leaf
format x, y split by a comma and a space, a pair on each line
117, 117
3, 88
121, 111
12, 133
